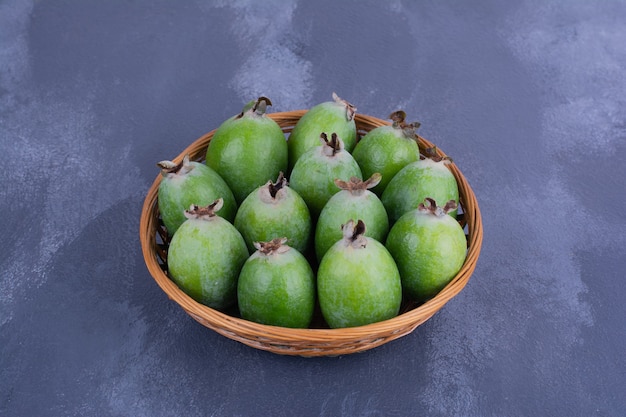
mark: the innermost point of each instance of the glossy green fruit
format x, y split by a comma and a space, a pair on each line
247, 149
427, 178
354, 201
332, 116
358, 281
313, 176
205, 257
190, 183
274, 209
277, 286
429, 247
387, 149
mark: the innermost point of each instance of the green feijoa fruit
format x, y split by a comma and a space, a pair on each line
205, 257
429, 177
358, 282
277, 286
313, 176
387, 149
190, 183
429, 247
274, 209
247, 149
354, 201
331, 116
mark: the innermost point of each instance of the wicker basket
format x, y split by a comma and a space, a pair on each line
313, 341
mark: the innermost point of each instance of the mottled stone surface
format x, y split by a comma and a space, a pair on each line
527, 97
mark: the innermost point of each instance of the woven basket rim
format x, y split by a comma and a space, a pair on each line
313, 341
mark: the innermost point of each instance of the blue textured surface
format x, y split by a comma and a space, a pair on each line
527, 97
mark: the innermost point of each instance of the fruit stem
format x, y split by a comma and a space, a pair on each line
356, 185
350, 109
258, 107
332, 146
204, 212
261, 105
170, 167
408, 129
431, 153
276, 245
354, 234
397, 118
430, 206
280, 183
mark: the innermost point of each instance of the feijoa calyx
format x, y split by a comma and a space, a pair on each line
277, 286
274, 209
188, 183
387, 149
429, 177
354, 201
429, 248
313, 176
331, 116
205, 256
247, 149
358, 282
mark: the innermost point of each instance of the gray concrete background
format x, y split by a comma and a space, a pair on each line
527, 97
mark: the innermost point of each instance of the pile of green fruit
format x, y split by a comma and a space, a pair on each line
277, 226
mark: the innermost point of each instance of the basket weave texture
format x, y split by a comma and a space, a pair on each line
309, 342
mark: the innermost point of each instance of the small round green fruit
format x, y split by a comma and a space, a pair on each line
426, 178
277, 286
247, 149
313, 176
205, 257
275, 209
190, 183
358, 281
429, 247
331, 116
354, 201
387, 149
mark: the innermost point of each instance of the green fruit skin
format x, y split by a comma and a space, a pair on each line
247, 152
358, 286
429, 251
288, 216
277, 289
200, 186
416, 181
385, 150
205, 258
313, 177
345, 206
328, 117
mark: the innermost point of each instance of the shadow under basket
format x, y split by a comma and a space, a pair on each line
316, 341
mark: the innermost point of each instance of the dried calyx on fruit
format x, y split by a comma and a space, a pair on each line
354, 234
276, 245
204, 212
430, 206
275, 190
